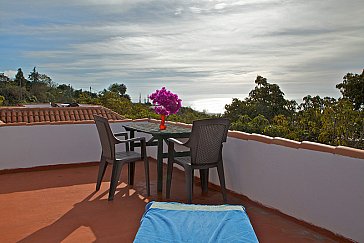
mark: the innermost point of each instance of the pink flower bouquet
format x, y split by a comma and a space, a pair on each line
165, 102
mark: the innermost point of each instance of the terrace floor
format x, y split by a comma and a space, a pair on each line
61, 205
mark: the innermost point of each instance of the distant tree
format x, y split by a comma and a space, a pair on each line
139, 110
266, 92
64, 93
186, 115
11, 93
41, 92
33, 76
113, 101
259, 123
268, 99
21, 82
342, 125
310, 102
2, 99
65, 87
236, 109
352, 88
308, 118
265, 99
316, 119
242, 124
19, 78
84, 97
119, 89
36, 77
4, 78
280, 127
39, 86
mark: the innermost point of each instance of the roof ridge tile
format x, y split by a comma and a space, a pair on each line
37, 115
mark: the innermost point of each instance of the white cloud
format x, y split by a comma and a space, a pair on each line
10, 73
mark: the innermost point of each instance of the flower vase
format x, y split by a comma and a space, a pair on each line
162, 126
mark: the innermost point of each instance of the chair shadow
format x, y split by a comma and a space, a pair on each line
114, 221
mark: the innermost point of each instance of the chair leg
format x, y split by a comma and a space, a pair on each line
204, 176
169, 178
131, 172
102, 169
146, 169
116, 170
188, 174
192, 180
220, 171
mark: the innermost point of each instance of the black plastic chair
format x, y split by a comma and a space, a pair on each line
205, 146
118, 159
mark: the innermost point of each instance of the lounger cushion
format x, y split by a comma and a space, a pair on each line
177, 222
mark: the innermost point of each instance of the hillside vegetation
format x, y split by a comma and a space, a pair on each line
265, 110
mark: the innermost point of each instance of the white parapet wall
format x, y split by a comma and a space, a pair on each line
323, 189
319, 184
39, 145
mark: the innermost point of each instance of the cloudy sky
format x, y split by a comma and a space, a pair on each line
206, 51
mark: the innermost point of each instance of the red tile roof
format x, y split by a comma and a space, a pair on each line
26, 115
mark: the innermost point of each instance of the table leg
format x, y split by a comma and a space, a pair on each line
160, 165
131, 166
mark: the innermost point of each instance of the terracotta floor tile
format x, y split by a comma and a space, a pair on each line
62, 205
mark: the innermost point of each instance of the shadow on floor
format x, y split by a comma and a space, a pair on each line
97, 214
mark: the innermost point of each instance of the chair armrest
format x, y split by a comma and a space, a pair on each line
125, 134
136, 139
143, 146
173, 140
130, 140
171, 151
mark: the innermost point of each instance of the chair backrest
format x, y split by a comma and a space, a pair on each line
106, 136
206, 140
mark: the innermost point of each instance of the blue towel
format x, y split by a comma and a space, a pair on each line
176, 222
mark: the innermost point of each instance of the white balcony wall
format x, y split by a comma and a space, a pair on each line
324, 189
30, 146
40, 145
